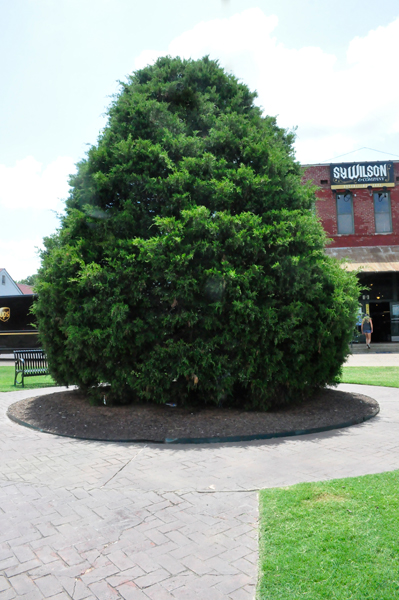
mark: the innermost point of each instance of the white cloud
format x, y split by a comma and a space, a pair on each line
20, 257
30, 184
374, 52
336, 108
30, 195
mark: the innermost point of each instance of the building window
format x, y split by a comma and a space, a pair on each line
3, 280
345, 213
382, 212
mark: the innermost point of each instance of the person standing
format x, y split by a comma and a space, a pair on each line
367, 329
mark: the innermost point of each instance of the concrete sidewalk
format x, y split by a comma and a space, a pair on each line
95, 520
373, 359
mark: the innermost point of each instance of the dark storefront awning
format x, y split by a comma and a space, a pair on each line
368, 259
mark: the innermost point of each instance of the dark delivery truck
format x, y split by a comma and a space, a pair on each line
17, 331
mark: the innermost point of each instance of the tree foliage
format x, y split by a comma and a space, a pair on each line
190, 265
29, 280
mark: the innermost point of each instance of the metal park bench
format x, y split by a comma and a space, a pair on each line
29, 363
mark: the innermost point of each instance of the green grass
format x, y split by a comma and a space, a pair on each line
385, 376
334, 540
7, 381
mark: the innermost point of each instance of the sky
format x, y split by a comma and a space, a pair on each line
326, 68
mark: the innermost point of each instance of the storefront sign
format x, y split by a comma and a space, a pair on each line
361, 175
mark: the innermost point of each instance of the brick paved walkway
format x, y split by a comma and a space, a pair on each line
87, 520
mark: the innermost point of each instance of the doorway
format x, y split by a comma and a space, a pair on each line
381, 315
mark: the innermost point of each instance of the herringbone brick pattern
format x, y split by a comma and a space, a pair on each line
87, 520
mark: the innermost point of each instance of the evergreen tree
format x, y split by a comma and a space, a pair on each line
190, 265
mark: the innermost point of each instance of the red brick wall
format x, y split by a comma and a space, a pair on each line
363, 212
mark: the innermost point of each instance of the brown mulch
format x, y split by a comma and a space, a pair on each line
69, 413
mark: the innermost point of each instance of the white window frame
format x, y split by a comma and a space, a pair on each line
345, 193
389, 212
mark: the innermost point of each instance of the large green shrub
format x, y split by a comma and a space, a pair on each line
189, 265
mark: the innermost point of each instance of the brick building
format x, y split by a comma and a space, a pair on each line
358, 205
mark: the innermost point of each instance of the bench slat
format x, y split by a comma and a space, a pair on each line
29, 363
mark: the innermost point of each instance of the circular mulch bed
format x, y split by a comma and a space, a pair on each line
69, 413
